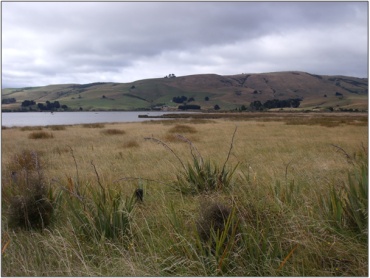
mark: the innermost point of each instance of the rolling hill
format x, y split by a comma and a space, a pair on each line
207, 90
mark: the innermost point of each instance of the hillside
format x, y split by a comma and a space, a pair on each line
228, 92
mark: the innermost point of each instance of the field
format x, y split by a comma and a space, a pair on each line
276, 196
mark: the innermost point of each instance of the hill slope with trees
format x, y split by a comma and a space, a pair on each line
203, 91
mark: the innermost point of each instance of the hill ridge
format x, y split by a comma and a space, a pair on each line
206, 90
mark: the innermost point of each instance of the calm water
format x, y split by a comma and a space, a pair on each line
70, 118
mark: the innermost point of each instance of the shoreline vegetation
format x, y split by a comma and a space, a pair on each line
228, 194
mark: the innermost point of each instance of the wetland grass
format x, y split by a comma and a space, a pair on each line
281, 217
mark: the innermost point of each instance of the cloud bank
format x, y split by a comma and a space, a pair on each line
84, 42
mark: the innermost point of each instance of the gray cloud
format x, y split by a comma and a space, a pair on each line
82, 42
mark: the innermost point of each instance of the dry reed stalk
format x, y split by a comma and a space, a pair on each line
287, 257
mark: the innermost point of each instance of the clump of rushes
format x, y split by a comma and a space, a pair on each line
26, 193
213, 218
346, 207
40, 135
201, 175
100, 213
217, 229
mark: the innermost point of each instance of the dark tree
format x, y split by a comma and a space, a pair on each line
189, 106
41, 106
256, 105
28, 103
216, 107
206, 98
179, 99
8, 100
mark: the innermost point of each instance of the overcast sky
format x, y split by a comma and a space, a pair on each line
85, 42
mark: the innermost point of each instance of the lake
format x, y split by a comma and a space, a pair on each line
70, 118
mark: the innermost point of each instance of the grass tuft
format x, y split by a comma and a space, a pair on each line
26, 191
181, 128
40, 135
113, 132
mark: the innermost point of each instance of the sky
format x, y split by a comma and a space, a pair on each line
83, 42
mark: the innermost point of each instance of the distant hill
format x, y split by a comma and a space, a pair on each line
205, 90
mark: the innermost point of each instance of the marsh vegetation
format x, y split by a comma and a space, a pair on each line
231, 197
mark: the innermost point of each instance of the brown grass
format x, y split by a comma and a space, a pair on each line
97, 125
131, 144
57, 127
277, 216
30, 128
182, 128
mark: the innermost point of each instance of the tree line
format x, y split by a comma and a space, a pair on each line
48, 106
275, 103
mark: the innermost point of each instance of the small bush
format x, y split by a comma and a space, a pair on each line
113, 132
40, 135
30, 212
26, 193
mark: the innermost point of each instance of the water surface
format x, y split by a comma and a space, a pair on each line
10, 119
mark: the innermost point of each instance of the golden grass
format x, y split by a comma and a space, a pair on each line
265, 148
181, 128
271, 154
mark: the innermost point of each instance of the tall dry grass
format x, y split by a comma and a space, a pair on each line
276, 222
